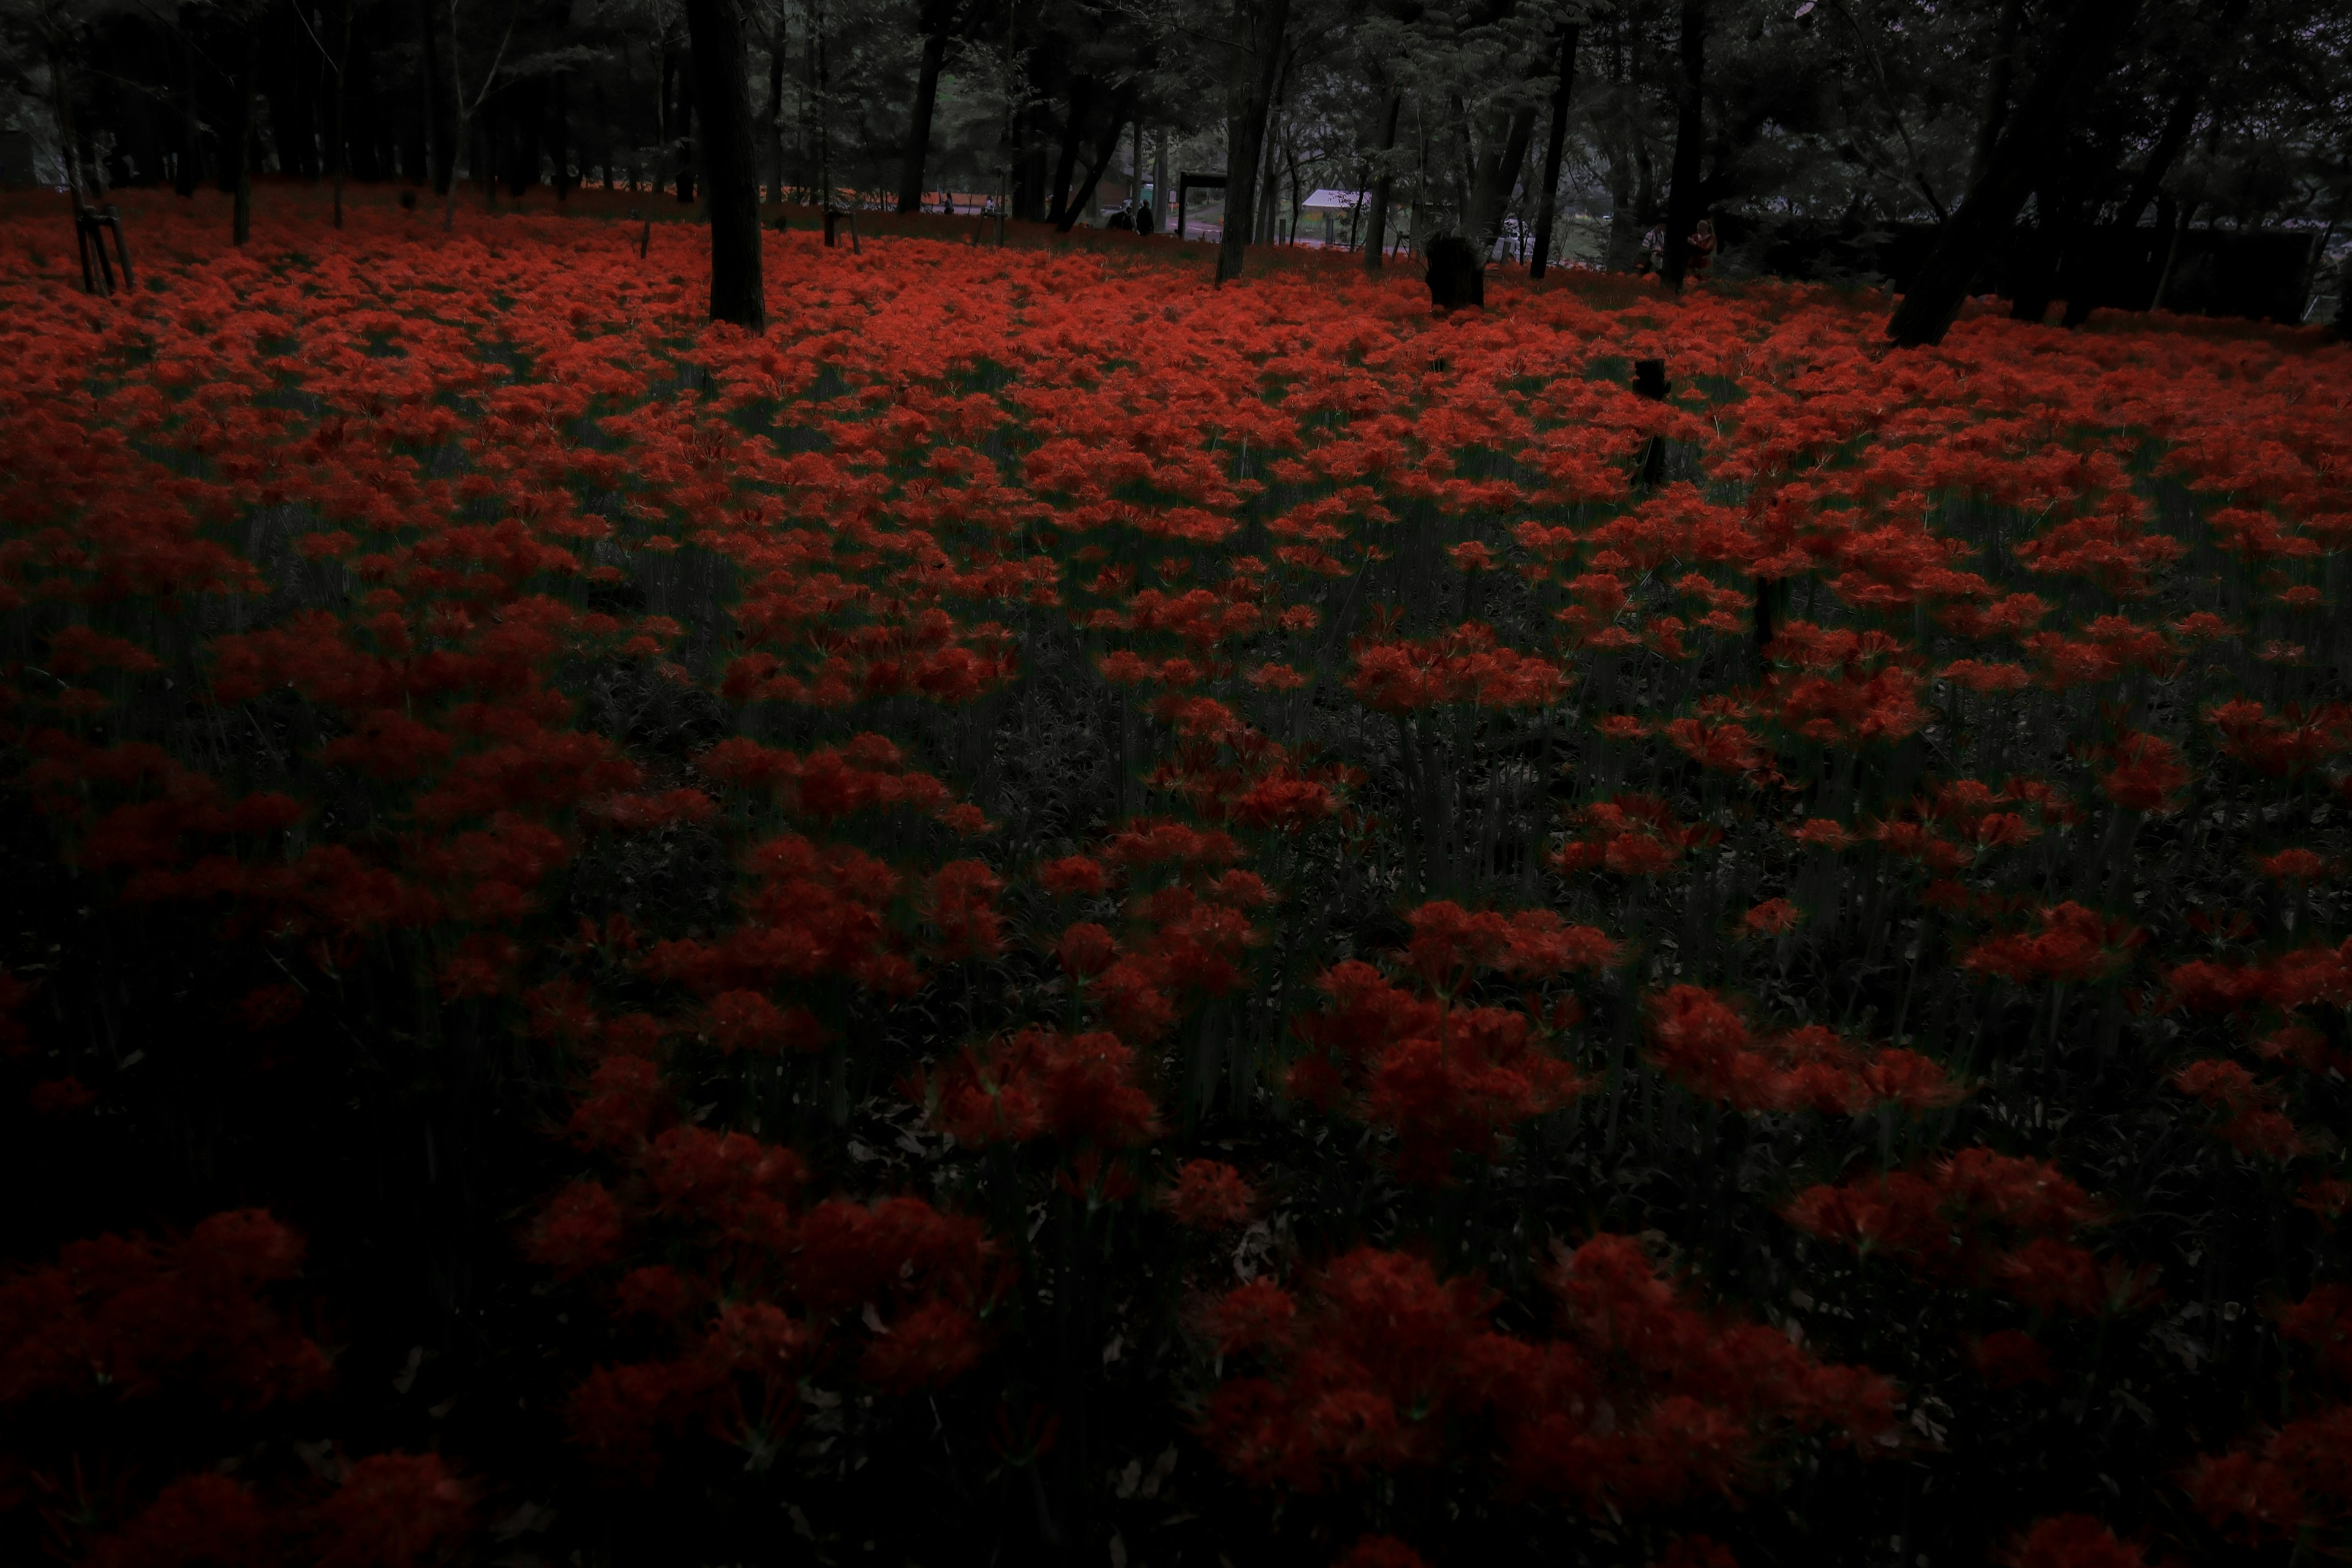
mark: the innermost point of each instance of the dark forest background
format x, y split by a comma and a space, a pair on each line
2199, 154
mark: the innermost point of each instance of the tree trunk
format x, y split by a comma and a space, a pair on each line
1108, 149
918, 124
2001, 70
1249, 98
440, 147
1685, 204
563, 128
69, 146
1082, 93
1375, 210
689, 131
2081, 52
338, 151
776, 115
241, 215
2163, 155
730, 169
1497, 174
191, 152
1553, 148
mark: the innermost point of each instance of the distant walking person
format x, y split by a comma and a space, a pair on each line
1702, 248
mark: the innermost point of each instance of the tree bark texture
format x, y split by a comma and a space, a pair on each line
241, 215
918, 122
1258, 30
440, 135
1553, 148
1498, 173
2083, 45
192, 149
1375, 210
1685, 204
2000, 71
731, 170
1066, 166
1121, 105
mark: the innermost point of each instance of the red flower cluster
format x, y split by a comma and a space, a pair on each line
1703, 1043
1992, 1221
1639, 1400
2294, 1482
1446, 1078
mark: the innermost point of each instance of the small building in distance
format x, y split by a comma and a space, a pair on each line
1334, 208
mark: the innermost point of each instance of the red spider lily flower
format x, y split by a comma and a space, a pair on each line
1981, 1219
1209, 1196
625, 1096
1449, 943
2283, 1484
926, 1346
1445, 1080
394, 1510
138, 1317
657, 1291
2283, 746
1260, 1315
580, 1229
2252, 1118
2073, 1541
1086, 950
2323, 1319
1629, 836
2293, 865
2073, 944
2145, 775
963, 906
2326, 1196
1380, 1552
1697, 1551
1074, 875
209, 1517
1704, 1042
1077, 1089
1773, 916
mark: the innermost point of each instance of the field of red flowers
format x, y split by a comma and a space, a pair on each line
1057, 915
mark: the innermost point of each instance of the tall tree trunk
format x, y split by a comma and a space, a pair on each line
2000, 71
918, 122
2082, 50
440, 147
1553, 148
338, 150
730, 169
192, 149
776, 114
2163, 155
1498, 173
1685, 204
604, 131
689, 112
68, 143
562, 129
1259, 27
241, 215
1376, 208
1106, 150
1066, 166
